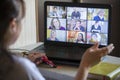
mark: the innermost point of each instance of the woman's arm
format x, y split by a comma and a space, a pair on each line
91, 57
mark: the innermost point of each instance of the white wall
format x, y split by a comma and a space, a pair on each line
28, 34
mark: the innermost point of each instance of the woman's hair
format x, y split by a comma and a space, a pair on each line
52, 32
52, 24
100, 11
6, 63
81, 36
10, 9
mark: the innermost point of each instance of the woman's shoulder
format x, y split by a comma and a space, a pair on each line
29, 67
21, 59
12, 70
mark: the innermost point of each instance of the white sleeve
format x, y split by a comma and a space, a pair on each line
31, 69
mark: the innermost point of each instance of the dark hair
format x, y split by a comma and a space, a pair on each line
81, 36
9, 9
6, 63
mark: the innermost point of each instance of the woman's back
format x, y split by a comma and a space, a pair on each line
14, 67
10, 69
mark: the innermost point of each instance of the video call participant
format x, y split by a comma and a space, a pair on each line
96, 28
56, 25
53, 36
55, 12
94, 38
71, 36
80, 38
99, 16
78, 26
75, 14
13, 67
71, 24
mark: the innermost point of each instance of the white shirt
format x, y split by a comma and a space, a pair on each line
31, 69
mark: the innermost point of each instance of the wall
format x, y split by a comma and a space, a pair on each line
28, 34
115, 24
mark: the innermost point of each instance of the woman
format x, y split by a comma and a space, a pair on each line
80, 38
13, 67
53, 36
96, 28
94, 38
99, 16
55, 24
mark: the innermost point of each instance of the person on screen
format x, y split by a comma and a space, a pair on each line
71, 36
94, 38
13, 67
75, 14
78, 26
56, 25
80, 38
53, 36
99, 16
55, 12
71, 24
96, 28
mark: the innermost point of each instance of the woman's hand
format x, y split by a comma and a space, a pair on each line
91, 57
35, 57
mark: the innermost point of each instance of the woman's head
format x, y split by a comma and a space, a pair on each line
53, 34
94, 37
101, 13
80, 36
55, 23
96, 24
11, 14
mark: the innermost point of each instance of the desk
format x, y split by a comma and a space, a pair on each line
64, 72
61, 73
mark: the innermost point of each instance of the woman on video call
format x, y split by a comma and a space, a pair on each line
99, 16
56, 25
80, 38
96, 28
53, 36
14, 67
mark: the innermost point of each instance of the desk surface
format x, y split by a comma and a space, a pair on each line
62, 69
64, 72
